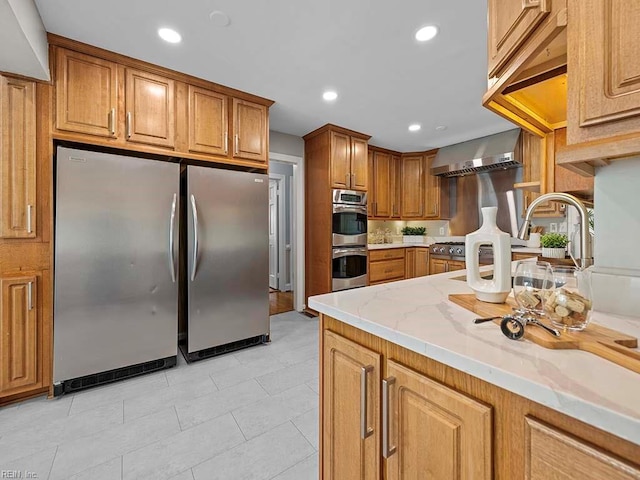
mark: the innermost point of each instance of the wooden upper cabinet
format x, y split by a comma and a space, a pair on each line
552, 453
208, 118
604, 69
511, 24
251, 131
86, 94
381, 184
372, 196
19, 335
412, 186
350, 399
150, 108
434, 431
432, 191
394, 186
17, 158
340, 160
359, 164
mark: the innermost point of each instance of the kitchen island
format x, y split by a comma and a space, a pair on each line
408, 377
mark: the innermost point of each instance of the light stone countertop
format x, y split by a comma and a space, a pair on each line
417, 315
537, 251
385, 246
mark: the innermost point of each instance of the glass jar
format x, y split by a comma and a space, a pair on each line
570, 303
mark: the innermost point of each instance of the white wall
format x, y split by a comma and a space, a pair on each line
285, 169
286, 144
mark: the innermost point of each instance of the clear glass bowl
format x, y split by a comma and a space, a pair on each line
532, 282
570, 304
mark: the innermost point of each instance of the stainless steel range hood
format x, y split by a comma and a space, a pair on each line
499, 151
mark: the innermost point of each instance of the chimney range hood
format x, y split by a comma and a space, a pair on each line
499, 151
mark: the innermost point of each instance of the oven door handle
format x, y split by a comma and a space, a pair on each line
347, 252
340, 208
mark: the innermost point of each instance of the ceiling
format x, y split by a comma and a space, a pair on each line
291, 51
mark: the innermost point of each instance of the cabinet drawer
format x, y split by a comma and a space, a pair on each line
386, 270
386, 254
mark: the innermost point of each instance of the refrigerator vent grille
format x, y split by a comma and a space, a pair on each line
220, 349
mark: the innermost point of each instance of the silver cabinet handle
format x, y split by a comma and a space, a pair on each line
128, 124
226, 142
387, 451
194, 212
112, 121
237, 141
172, 220
365, 431
30, 296
28, 218
348, 182
353, 179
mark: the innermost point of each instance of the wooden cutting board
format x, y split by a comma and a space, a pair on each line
604, 342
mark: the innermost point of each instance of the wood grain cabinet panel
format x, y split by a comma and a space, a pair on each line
386, 271
381, 193
410, 263
20, 335
412, 185
350, 397
421, 262
434, 431
511, 23
432, 190
394, 186
208, 117
251, 131
359, 180
551, 453
86, 94
150, 108
17, 158
340, 160
604, 67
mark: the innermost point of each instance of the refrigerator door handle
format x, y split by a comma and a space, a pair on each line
194, 212
172, 260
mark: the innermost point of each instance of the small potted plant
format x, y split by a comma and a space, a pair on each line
413, 234
554, 245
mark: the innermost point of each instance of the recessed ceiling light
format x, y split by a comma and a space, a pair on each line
169, 35
426, 33
441, 127
329, 95
414, 127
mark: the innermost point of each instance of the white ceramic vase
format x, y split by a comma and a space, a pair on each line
497, 289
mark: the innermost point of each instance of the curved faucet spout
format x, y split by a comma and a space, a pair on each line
586, 256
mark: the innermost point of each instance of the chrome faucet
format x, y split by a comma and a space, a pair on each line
586, 255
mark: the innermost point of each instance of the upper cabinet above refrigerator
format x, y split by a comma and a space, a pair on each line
106, 99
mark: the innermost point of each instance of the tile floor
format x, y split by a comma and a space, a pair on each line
252, 414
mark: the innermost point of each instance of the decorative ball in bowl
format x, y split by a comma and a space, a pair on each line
569, 304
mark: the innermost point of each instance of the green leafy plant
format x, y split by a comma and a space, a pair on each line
414, 230
554, 240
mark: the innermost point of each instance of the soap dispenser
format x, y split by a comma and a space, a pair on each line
497, 289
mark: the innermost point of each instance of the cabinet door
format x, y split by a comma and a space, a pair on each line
386, 270
432, 191
251, 131
19, 335
604, 62
422, 262
410, 263
381, 190
552, 453
412, 182
86, 94
434, 432
350, 402
394, 186
208, 132
150, 107
436, 265
18, 158
371, 202
511, 24
454, 265
340, 161
358, 167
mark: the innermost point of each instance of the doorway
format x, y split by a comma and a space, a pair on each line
280, 237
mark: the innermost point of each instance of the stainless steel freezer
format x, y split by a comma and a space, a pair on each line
116, 245
227, 273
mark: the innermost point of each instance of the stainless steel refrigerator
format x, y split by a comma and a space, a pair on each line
227, 265
116, 282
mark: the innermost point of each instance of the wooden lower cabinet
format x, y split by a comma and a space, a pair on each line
351, 430
20, 335
431, 430
421, 262
386, 265
428, 421
439, 265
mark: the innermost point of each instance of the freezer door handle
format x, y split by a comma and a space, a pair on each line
172, 222
194, 212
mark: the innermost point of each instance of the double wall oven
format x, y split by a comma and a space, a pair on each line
349, 240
